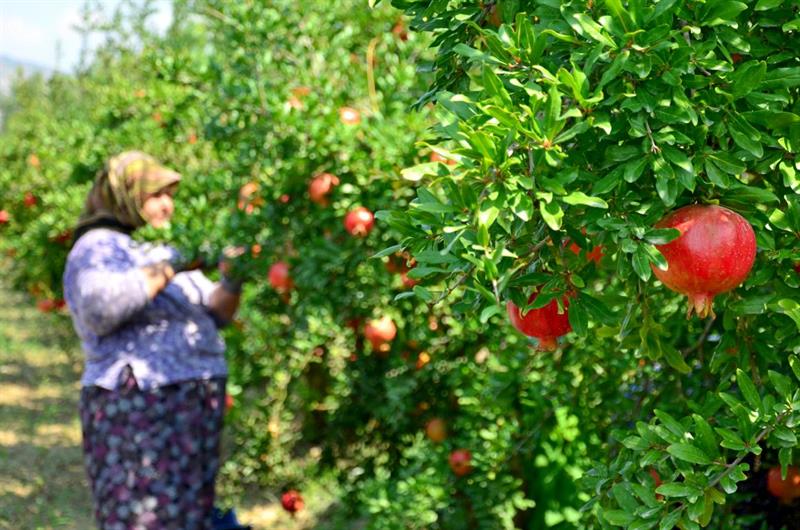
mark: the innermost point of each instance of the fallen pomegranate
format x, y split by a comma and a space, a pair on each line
359, 221
321, 186
460, 462
279, 276
292, 501
436, 430
380, 333
713, 254
349, 116
786, 489
545, 323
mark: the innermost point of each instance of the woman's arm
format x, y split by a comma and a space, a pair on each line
106, 299
223, 304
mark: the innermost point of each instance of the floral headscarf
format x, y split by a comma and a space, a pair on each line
120, 189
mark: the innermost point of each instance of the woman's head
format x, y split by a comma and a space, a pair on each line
133, 189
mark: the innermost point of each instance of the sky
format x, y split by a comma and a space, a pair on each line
31, 29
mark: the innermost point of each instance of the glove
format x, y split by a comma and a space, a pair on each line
182, 263
232, 269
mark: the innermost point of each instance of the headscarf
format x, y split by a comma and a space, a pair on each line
119, 191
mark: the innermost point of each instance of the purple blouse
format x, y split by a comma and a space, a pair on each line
168, 339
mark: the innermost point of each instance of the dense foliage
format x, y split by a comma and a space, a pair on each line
545, 141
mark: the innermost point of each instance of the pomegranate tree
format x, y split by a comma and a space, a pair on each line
713, 254
545, 323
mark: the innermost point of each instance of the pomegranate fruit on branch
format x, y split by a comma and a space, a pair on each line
713, 254
544, 323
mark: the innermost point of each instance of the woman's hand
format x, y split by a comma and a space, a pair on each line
231, 269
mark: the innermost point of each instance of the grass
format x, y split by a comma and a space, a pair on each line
42, 479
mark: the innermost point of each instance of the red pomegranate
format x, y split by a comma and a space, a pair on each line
359, 221
380, 332
228, 402
785, 489
595, 255
5, 217
408, 282
460, 462
436, 157
279, 277
545, 323
292, 501
321, 186
29, 200
349, 116
436, 430
713, 254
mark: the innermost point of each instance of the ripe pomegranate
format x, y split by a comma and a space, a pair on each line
796, 266
359, 221
285, 198
301, 91
596, 254
460, 462
63, 238
422, 360
49, 305
279, 277
436, 430
349, 116
228, 402
713, 254
247, 201
408, 282
5, 217
192, 138
545, 323
321, 186
736, 58
29, 200
399, 30
295, 103
34, 161
380, 333
292, 501
786, 490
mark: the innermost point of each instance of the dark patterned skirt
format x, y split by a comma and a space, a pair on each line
152, 456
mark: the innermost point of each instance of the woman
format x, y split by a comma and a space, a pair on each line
153, 386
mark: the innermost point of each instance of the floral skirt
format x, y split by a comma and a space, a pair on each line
152, 456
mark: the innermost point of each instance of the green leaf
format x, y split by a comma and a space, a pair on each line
786, 436
743, 136
674, 426
618, 517
494, 87
674, 358
723, 12
794, 362
678, 489
747, 77
748, 389
689, 453
705, 436
765, 5
727, 163
578, 197
662, 7
661, 236
749, 194
584, 25
781, 383
551, 213
387, 251
730, 440
578, 318
670, 522
641, 263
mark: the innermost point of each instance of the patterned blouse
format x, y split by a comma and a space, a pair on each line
171, 338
